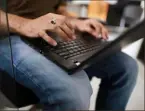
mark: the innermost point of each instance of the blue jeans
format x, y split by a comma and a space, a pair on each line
59, 91
118, 74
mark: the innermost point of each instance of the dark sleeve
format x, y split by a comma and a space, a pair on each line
2, 5
62, 2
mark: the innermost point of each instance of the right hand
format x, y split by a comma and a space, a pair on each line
38, 28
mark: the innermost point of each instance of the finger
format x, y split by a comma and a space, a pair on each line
62, 34
71, 28
68, 31
104, 33
97, 31
68, 23
47, 38
90, 31
96, 27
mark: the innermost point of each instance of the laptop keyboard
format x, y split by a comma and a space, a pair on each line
74, 48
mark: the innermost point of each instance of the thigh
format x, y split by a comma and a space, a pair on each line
112, 65
43, 76
6, 56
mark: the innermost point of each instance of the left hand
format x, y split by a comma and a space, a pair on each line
91, 26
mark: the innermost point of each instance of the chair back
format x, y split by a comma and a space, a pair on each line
131, 15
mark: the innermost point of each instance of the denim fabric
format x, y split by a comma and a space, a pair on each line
59, 91
56, 90
118, 74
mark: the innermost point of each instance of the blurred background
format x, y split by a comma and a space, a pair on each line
119, 14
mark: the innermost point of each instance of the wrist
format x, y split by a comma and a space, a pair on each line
16, 23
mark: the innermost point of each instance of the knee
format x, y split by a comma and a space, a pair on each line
72, 98
129, 70
75, 101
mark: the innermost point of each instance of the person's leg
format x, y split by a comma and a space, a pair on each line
56, 90
119, 74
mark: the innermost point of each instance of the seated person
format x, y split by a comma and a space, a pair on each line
57, 90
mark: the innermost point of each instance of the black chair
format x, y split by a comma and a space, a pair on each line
17, 94
141, 53
131, 15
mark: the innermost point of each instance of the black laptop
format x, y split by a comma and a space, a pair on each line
80, 53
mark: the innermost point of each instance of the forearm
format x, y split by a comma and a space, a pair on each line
15, 22
3, 23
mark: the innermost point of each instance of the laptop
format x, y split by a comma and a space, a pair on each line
85, 50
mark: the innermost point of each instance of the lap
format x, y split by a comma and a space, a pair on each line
38, 73
117, 63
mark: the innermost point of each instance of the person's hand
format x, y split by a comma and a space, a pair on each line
91, 26
39, 27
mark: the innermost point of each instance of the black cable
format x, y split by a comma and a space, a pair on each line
11, 51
